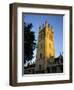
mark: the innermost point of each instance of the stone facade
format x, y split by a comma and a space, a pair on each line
45, 48
54, 65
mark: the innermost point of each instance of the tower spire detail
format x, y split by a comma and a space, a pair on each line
46, 23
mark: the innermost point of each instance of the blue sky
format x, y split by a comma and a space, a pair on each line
55, 20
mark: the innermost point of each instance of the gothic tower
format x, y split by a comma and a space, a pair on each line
45, 49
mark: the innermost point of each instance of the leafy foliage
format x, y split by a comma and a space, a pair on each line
29, 42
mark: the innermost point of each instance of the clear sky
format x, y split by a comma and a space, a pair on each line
55, 20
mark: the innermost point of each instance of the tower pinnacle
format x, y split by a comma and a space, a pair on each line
46, 23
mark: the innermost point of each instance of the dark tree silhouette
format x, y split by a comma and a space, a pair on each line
29, 42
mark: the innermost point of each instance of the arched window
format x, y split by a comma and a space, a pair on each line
40, 56
49, 45
50, 36
39, 67
41, 45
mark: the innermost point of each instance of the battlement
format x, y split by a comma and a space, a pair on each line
46, 25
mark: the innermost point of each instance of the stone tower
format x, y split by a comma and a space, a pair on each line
45, 49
